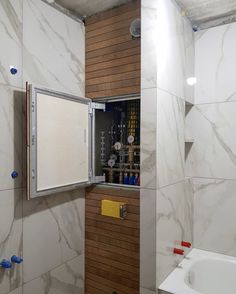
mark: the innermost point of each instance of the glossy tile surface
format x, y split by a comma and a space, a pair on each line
11, 237
170, 138
53, 227
11, 121
148, 138
214, 215
56, 225
148, 239
65, 279
149, 22
216, 78
174, 50
61, 65
213, 154
174, 208
11, 42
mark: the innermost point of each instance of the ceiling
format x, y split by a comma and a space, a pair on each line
199, 12
205, 11
89, 7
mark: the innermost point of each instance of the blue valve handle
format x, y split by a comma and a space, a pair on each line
5, 264
13, 70
16, 259
14, 174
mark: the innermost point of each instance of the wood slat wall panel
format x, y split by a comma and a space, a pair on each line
114, 55
114, 85
113, 270
111, 245
114, 63
112, 49
111, 21
111, 53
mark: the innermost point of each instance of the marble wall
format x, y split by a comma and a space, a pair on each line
48, 232
211, 124
167, 60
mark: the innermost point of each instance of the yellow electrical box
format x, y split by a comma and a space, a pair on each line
114, 209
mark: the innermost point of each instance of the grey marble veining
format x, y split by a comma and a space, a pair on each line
10, 237
213, 154
53, 227
167, 49
56, 225
52, 55
170, 138
174, 207
214, 215
189, 48
65, 279
216, 78
149, 44
11, 122
174, 51
148, 138
11, 41
148, 239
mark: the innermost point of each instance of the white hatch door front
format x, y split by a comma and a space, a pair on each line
59, 141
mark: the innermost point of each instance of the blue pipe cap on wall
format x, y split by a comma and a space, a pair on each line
13, 70
16, 259
14, 174
5, 264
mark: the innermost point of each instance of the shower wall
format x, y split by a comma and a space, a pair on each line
166, 196
47, 232
211, 124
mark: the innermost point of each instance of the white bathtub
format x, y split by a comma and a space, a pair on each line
203, 272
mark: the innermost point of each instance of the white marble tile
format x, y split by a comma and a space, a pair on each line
148, 239
56, 225
173, 224
167, 55
65, 279
11, 122
10, 237
171, 55
54, 48
216, 77
189, 47
149, 44
11, 41
213, 153
214, 215
170, 138
148, 137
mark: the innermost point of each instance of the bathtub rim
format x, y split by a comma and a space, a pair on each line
175, 283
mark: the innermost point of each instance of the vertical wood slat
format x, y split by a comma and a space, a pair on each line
111, 245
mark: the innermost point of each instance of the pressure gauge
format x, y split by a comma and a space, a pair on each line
111, 162
117, 146
131, 139
113, 156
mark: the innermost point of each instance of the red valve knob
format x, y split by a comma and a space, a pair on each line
178, 251
186, 244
